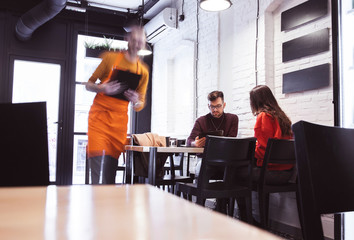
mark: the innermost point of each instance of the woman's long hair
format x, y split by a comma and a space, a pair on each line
263, 100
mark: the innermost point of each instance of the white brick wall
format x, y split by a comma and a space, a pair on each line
206, 77
235, 30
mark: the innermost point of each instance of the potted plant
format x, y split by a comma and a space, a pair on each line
94, 49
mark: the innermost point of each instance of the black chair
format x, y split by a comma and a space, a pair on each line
177, 166
325, 165
24, 144
229, 155
278, 151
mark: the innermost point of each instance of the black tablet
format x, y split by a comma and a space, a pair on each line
128, 79
212, 133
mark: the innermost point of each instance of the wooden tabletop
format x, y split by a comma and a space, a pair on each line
165, 149
112, 212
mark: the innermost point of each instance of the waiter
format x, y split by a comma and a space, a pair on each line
108, 116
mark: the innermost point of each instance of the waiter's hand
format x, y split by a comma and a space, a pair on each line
112, 88
133, 96
199, 142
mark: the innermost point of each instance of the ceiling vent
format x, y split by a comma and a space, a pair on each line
161, 24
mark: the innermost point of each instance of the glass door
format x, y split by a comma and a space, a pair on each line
40, 82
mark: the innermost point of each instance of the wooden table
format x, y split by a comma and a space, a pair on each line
112, 212
153, 151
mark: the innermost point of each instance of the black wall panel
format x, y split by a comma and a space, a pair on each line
306, 79
49, 40
303, 13
310, 44
142, 119
2, 39
2, 58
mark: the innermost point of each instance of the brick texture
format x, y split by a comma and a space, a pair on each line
204, 30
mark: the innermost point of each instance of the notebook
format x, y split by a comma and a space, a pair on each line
128, 79
212, 133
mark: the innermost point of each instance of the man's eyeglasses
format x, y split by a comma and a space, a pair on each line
215, 107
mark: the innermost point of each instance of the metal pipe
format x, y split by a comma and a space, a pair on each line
36, 17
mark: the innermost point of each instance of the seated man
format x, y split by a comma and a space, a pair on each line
216, 120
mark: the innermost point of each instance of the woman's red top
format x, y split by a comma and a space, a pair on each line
267, 127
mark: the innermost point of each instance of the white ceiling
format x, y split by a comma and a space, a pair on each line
123, 5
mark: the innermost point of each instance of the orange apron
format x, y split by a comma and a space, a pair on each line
107, 123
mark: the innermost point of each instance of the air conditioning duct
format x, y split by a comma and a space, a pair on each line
36, 17
161, 24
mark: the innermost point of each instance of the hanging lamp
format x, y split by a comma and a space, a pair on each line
145, 51
214, 5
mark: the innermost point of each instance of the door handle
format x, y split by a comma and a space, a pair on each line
60, 123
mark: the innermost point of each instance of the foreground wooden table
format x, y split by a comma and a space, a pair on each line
112, 212
153, 151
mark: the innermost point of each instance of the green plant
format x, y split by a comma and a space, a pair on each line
106, 45
91, 45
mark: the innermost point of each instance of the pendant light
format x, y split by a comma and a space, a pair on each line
147, 49
215, 5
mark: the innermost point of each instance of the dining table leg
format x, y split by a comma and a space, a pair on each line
152, 166
129, 167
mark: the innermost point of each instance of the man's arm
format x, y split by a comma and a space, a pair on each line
194, 133
193, 139
233, 127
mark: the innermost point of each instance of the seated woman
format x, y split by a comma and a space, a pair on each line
271, 122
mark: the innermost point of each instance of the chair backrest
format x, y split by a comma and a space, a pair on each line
23, 144
325, 164
278, 151
228, 154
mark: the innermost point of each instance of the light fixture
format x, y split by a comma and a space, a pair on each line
215, 5
75, 8
145, 51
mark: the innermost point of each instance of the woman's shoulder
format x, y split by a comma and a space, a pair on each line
110, 56
145, 67
265, 115
265, 118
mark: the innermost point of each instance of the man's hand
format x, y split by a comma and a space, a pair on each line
199, 142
